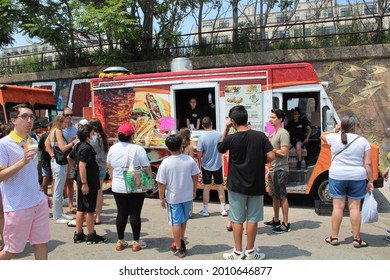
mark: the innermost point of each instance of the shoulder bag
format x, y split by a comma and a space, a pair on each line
136, 180
60, 156
345, 147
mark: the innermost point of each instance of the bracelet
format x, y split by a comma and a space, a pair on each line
83, 183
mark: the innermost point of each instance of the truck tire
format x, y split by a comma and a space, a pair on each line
154, 192
320, 189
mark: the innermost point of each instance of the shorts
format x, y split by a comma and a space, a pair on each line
354, 189
102, 173
294, 141
179, 213
245, 207
277, 181
207, 176
31, 224
46, 171
86, 203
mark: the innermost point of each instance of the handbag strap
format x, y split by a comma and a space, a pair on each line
129, 162
345, 147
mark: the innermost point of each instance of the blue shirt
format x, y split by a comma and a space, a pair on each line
207, 144
69, 132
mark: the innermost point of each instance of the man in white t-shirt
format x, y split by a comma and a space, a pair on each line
26, 208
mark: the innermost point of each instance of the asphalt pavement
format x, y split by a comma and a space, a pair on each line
208, 239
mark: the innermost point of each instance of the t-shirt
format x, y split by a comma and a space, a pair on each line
297, 129
178, 181
84, 152
193, 115
69, 132
247, 157
22, 190
279, 139
118, 157
349, 164
207, 144
101, 156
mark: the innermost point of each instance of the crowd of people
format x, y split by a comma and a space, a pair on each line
80, 153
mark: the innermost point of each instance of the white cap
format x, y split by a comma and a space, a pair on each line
83, 122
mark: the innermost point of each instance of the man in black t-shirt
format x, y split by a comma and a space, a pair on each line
193, 115
83, 156
297, 129
249, 151
45, 160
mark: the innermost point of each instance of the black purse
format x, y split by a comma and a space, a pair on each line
60, 156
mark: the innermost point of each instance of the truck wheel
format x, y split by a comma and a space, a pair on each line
154, 192
320, 190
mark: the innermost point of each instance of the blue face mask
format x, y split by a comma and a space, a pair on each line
94, 138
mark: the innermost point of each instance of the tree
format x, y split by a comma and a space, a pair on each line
8, 13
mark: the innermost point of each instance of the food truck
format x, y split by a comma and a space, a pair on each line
42, 101
155, 105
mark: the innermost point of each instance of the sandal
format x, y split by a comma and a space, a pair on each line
359, 243
334, 241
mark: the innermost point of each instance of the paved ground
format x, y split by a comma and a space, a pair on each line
208, 239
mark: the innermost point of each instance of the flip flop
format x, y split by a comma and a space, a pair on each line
359, 243
334, 241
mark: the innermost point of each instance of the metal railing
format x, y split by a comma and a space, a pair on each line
346, 31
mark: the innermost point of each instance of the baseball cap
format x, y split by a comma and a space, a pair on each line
126, 130
83, 122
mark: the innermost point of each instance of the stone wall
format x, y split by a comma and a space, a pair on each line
358, 79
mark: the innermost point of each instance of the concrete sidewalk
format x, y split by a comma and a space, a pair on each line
207, 238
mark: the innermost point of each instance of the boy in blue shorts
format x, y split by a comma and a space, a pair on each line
177, 179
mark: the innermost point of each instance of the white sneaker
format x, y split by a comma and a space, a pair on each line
235, 255
204, 213
253, 254
61, 220
68, 217
224, 212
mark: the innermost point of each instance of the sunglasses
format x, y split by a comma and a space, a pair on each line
68, 115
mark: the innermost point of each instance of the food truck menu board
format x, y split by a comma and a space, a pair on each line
248, 96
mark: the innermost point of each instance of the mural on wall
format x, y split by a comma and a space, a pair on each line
74, 94
361, 88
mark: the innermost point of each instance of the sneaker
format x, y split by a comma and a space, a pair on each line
253, 254
183, 245
235, 255
272, 223
282, 228
95, 239
120, 246
138, 245
79, 237
204, 213
68, 217
388, 231
179, 253
224, 212
388, 238
61, 220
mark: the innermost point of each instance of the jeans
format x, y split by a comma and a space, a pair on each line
59, 175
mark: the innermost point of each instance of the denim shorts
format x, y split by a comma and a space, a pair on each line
245, 207
102, 173
46, 171
179, 213
354, 189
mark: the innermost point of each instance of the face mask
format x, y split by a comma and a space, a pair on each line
93, 139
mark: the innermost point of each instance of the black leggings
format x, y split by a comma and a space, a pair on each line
129, 205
